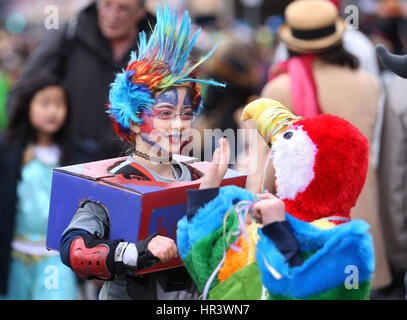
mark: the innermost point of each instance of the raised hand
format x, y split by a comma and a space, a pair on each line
218, 167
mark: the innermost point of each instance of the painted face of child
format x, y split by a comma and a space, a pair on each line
171, 117
48, 110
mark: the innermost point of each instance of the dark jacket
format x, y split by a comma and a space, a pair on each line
11, 152
82, 57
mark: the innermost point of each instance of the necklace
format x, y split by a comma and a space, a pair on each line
153, 159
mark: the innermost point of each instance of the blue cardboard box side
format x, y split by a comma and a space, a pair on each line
63, 206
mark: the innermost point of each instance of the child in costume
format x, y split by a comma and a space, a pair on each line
152, 105
313, 251
36, 141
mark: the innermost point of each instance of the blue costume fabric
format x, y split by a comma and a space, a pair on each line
35, 273
334, 263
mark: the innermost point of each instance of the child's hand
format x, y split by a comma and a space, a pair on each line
218, 167
163, 248
269, 209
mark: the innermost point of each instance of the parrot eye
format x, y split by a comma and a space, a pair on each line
288, 135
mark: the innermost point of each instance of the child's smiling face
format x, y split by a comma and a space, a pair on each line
168, 123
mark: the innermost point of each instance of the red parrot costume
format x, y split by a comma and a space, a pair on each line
321, 166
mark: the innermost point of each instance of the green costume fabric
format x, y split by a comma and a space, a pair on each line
207, 253
4, 89
244, 284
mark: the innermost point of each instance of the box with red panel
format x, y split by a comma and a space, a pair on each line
136, 209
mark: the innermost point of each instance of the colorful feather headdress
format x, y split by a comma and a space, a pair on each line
162, 61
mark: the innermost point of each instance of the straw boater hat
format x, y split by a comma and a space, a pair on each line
311, 26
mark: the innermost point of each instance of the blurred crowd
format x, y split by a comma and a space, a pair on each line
82, 56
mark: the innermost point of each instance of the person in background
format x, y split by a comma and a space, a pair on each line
392, 172
322, 77
85, 54
389, 17
235, 63
36, 140
354, 41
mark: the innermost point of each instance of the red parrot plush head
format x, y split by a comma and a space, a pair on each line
320, 163
321, 167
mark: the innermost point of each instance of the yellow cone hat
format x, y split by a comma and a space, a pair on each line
270, 117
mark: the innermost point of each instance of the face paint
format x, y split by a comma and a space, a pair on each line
146, 130
187, 100
168, 97
163, 135
147, 126
185, 143
145, 138
187, 104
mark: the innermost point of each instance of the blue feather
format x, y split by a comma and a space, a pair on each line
164, 45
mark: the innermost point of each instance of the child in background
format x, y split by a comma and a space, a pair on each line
36, 141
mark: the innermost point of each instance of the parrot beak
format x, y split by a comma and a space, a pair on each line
255, 108
270, 117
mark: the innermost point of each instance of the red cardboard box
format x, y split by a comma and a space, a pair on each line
136, 209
